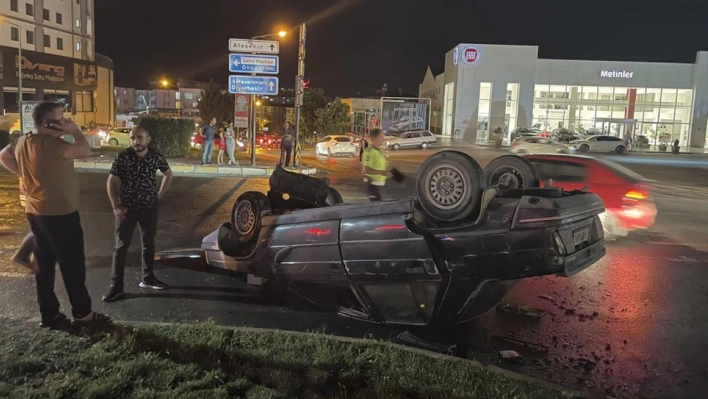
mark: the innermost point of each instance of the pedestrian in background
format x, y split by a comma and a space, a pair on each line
286, 144
207, 131
230, 142
45, 163
132, 189
222, 148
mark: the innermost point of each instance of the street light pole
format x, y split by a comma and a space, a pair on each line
299, 89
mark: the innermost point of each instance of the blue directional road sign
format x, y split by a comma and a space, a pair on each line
242, 84
249, 63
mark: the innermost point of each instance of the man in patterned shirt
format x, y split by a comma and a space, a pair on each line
132, 189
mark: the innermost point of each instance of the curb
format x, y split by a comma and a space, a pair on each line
198, 170
471, 363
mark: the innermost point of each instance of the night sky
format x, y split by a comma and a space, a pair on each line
357, 45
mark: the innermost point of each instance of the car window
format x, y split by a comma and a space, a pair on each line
343, 139
414, 135
621, 171
325, 139
427, 134
561, 171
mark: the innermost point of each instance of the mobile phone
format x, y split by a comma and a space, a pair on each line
50, 125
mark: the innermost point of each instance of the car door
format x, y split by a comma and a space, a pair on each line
594, 144
428, 137
566, 173
414, 139
323, 145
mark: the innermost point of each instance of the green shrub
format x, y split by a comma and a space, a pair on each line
169, 136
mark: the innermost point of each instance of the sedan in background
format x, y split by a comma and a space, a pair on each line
627, 197
419, 139
600, 144
538, 145
336, 145
119, 136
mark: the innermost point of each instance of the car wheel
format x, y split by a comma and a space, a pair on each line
620, 149
424, 146
333, 197
396, 146
584, 148
510, 172
198, 146
246, 215
449, 186
113, 142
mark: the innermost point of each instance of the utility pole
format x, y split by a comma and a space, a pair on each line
299, 89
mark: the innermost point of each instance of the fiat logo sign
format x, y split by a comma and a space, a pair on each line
470, 55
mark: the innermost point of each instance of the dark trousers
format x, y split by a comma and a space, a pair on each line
285, 153
60, 239
147, 220
374, 192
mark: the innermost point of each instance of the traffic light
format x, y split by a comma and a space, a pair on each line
305, 84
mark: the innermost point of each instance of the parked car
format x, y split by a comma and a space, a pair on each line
336, 145
524, 132
627, 196
198, 141
537, 145
419, 139
119, 136
564, 135
268, 141
445, 257
600, 144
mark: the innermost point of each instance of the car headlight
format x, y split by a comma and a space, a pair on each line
102, 134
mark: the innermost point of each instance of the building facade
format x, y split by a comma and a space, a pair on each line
58, 62
488, 86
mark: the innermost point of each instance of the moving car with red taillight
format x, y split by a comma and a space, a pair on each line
268, 141
627, 197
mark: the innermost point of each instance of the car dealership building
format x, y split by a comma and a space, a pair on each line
485, 87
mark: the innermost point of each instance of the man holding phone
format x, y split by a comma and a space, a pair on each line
45, 163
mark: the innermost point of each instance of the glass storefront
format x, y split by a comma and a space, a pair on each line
662, 115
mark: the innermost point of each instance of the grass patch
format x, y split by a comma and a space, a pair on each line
204, 361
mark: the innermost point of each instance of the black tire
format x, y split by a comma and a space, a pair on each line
620, 149
396, 146
449, 186
584, 148
246, 215
511, 172
333, 197
113, 142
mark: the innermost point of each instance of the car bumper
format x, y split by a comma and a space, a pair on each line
637, 217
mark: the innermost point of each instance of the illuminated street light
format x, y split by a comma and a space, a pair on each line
282, 33
166, 83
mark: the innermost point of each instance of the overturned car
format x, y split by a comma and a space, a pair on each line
445, 257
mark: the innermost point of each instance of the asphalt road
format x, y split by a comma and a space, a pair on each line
632, 325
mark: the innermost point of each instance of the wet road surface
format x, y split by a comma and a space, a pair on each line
632, 325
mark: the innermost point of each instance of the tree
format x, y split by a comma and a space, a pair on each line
216, 104
333, 118
313, 99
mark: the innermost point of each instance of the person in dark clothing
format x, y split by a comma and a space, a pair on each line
45, 164
363, 145
286, 145
132, 189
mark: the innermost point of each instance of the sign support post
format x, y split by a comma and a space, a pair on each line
299, 87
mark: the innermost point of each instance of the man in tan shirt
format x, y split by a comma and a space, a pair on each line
45, 163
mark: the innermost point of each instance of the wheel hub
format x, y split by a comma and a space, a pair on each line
245, 218
446, 187
508, 178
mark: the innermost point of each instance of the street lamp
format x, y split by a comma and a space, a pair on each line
166, 83
252, 108
19, 70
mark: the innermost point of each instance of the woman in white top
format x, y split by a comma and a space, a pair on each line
230, 143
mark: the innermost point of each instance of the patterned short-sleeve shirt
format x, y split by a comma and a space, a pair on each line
138, 184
